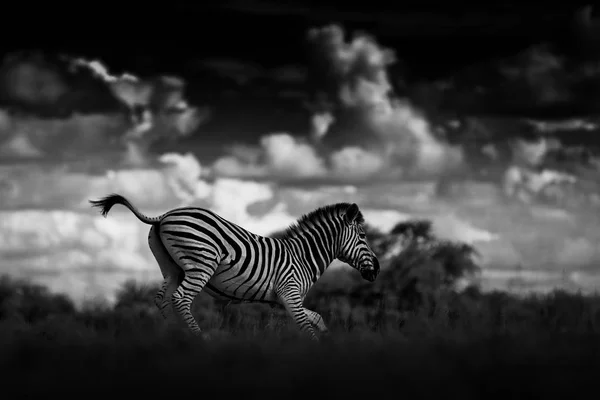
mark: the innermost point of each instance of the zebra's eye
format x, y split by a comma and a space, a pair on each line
362, 235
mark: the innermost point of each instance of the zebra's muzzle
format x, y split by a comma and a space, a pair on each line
369, 275
370, 272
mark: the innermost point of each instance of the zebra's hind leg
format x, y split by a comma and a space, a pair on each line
196, 277
163, 297
172, 274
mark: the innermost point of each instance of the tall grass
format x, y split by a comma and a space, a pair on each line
469, 344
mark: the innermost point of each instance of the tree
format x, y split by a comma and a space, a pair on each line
427, 267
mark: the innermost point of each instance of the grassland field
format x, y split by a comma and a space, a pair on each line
470, 345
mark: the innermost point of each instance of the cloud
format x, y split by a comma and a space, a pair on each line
449, 226
289, 156
384, 220
577, 252
231, 199
539, 74
358, 81
56, 138
361, 130
356, 163
42, 84
15, 145
409, 143
161, 97
184, 177
242, 72
31, 80
69, 108
320, 123
280, 155
398, 140
230, 166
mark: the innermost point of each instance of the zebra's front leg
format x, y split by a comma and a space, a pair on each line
292, 301
196, 276
315, 319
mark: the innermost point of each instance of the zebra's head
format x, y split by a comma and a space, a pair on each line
354, 249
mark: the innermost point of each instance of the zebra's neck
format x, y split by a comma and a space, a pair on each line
315, 247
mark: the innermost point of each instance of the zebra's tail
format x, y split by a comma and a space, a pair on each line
106, 203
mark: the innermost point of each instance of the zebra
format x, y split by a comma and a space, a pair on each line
197, 249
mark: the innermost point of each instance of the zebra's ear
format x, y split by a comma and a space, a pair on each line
351, 213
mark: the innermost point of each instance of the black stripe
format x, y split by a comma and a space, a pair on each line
233, 298
270, 254
259, 253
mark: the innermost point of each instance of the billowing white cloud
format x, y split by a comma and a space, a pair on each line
396, 139
355, 163
280, 155
290, 157
185, 173
359, 79
320, 124
231, 166
231, 198
384, 220
449, 226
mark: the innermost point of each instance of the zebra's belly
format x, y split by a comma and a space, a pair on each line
232, 282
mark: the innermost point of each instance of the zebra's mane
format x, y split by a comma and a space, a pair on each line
315, 217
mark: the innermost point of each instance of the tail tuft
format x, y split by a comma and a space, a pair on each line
106, 203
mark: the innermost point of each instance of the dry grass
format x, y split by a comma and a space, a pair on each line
470, 345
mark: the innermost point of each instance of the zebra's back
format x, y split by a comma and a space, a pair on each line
244, 263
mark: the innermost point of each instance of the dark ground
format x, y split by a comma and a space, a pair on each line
469, 346
498, 366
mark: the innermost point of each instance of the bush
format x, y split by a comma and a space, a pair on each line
30, 303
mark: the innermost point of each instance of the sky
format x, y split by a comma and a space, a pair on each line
183, 29
248, 137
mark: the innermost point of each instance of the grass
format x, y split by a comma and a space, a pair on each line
467, 345
360, 364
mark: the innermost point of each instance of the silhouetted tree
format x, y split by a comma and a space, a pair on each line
426, 267
414, 228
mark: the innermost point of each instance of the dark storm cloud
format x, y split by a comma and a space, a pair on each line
65, 107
